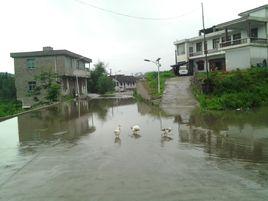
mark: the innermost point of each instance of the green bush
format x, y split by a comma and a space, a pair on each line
9, 107
235, 89
53, 92
152, 79
7, 87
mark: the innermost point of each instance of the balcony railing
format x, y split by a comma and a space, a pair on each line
243, 41
192, 54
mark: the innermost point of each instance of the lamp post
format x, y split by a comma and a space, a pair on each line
157, 63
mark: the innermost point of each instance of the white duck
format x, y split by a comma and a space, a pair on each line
117, 131
135, 129
166, 132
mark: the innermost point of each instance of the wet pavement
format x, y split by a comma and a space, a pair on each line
178, 98
69, 152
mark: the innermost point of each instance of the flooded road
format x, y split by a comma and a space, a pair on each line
70, 152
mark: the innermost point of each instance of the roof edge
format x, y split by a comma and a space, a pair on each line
245, 13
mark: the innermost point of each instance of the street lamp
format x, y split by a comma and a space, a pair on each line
157, 63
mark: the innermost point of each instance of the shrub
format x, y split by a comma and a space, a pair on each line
235, 89
152, 79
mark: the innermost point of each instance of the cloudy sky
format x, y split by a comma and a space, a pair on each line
121, 42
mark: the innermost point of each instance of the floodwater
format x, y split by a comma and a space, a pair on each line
69, 152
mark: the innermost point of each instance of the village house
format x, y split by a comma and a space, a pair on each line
124, 82
72, 69
239, 43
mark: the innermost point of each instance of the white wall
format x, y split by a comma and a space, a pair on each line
259, 13
261, 32
237, 58
258, 54
182, 57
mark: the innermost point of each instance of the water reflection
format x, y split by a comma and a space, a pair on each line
236, 135
65, 122
117, 140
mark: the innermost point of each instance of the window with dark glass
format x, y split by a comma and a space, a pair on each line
199, 47
216, 42
228, 39
191, 49
31, 85
30, 63
254, 33
237, 38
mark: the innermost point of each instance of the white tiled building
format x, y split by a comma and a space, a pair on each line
239, 43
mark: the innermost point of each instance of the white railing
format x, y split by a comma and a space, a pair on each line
243, 41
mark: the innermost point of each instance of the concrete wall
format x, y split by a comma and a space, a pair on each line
259, 13
181, 58
245, 57
237, 58
262, 31
258, 54
23, 75
56, 64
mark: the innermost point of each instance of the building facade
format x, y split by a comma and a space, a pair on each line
71, 68
239, 43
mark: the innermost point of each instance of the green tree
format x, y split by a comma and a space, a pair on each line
48, 84
99, 81
7, 87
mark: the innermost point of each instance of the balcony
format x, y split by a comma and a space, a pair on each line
211, 51
193, 54
242, 41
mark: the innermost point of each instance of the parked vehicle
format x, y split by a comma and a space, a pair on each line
183, 70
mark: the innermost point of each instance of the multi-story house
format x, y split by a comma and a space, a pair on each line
239, 43
72, 70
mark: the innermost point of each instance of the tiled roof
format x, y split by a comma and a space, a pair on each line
125, 79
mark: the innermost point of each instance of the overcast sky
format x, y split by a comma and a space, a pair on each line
121, 42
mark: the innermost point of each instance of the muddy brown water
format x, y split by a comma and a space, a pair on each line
70, 152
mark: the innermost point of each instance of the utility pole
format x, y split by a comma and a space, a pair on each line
205, 41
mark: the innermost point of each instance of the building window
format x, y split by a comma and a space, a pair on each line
237, 38
216, 42
181, 49
199, 47
31, 86
31, 63
254, 33
223, 39
191, 49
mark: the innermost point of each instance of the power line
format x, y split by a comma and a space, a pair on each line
133, 16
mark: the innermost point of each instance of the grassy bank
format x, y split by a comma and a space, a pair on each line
9, 107
151, 78
240, 89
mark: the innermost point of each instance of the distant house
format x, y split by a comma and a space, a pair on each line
72, 69
239, 43
124, 82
